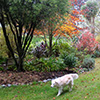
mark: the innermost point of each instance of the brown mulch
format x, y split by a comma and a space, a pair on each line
10, 77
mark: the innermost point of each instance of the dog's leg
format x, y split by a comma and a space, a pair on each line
60, 91
71, 85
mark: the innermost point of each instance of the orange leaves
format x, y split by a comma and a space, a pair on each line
69, 26
75, 12
37, 32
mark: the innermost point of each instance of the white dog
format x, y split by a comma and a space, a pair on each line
61, 82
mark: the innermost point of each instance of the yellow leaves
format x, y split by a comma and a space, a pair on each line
67, 29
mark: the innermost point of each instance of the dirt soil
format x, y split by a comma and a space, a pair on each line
10, 77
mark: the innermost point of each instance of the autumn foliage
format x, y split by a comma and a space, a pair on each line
87, 42
68, 26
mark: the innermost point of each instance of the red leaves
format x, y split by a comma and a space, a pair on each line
87, 41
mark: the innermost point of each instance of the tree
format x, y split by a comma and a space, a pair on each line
48, 29
97, 21
22, 15
62, 26
59, 26
89, 11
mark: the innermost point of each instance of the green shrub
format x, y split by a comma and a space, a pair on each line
2, 60
96, 54
63, 55
1, 69
88, 63
66, 47
56, 51
70, 60
29, 65
45, 64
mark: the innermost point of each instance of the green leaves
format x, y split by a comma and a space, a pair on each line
31, 10
70, 60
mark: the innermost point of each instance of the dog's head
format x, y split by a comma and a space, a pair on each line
54, 83
75, 76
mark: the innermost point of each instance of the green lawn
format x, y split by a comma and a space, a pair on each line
87, 87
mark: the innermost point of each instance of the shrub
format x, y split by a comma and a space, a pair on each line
2, 60
66, 47
70, 60
56, 51
40, 51
63, 55
36, 41
96, 54
87, 42
88, 63
1, 69
45, 64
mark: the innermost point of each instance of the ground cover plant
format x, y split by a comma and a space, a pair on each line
85, 88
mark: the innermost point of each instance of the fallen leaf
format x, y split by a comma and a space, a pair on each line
18, 92
41, 92
85, 97
15, 95
85, 86
54, 98
82, 81
87, 94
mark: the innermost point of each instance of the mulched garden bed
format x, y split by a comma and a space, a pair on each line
10, 77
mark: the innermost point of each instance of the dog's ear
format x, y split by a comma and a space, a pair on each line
56, 82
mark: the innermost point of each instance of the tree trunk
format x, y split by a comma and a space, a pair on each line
93, 26
20, 64
50, 44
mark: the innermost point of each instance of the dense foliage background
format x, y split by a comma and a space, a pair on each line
49, 35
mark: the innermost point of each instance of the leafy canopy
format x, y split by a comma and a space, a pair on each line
23, 16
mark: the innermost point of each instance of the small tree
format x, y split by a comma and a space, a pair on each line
22, 15
89, 11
